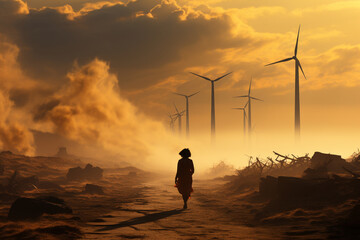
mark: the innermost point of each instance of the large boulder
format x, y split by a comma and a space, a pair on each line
93, 189
87, 173
32, 208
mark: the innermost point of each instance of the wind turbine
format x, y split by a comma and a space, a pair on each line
249, 97
212, 100
172, 121
187, 109
297, 88
244, 116
178, 116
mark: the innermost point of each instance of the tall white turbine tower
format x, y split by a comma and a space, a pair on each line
212, 101
244, 116
297, 87
187, 110
249, 97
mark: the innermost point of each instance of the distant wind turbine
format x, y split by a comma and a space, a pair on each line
187, 109
212, 101
179, 116
249, 97
297, 88
172, 121
244, 116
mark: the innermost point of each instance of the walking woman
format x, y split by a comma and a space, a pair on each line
183, 178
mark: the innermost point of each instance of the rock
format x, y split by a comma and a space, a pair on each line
88, 173
93, 189
32, 208
332, 163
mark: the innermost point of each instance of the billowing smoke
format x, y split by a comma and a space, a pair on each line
13, 135
91, 110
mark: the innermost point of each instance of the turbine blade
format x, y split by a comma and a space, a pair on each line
297, 42
193, 94
301, 68
238, 108
179, 94
176, 109
241, 96
256, 99
250, 86
246, 104
222, 76
284, 60
201, 76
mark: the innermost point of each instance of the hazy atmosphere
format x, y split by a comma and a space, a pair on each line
107, 93
103, 74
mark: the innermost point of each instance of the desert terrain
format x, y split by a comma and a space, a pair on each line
134, 204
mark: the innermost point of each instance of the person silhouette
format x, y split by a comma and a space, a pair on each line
183, 178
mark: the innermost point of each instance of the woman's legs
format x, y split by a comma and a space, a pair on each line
185, 198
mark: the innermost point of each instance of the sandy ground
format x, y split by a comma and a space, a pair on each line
158, 214
142, 205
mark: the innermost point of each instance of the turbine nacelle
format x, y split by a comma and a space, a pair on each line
211, 80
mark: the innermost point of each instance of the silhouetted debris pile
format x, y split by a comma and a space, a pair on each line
32, 208
87, 173
319, 182
93, 189
249, 176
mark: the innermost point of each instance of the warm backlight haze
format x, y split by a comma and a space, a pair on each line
100, 76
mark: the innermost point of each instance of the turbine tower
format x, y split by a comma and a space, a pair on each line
212, 101
244, 116
187, 109
297, 88
178, 116
249, 97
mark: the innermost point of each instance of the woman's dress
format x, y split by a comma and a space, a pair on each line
185, 170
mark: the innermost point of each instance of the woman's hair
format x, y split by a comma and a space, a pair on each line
185, 153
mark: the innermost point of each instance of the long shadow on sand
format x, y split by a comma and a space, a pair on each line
140, 220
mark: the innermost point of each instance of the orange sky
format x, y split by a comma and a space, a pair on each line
150, 46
